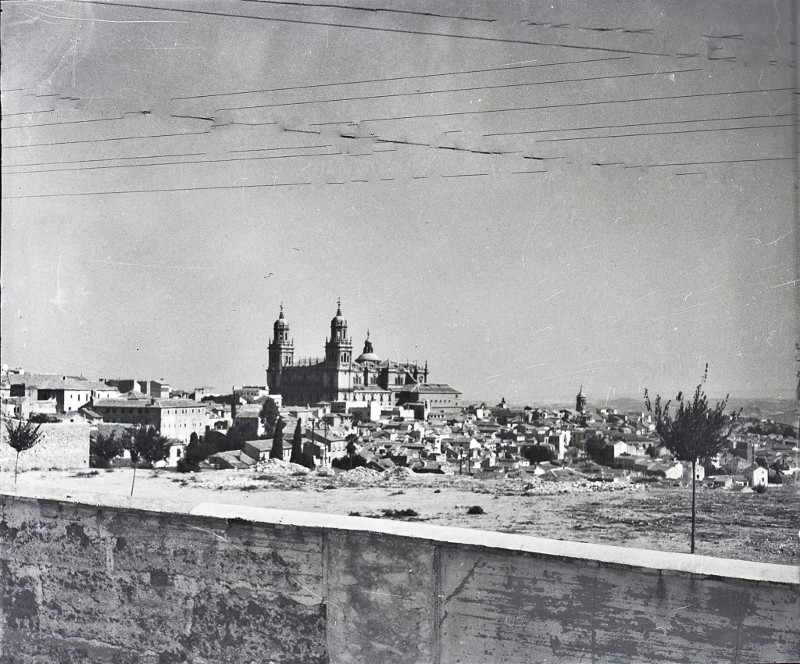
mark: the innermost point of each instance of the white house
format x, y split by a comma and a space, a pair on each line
756, 475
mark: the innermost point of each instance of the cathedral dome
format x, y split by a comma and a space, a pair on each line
367, 357
369, 354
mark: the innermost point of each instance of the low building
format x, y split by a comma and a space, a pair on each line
151, 388
173, 418
756, 475
258, 450
699, 472
67, 393
441, 400
231, 460
247, 420
668, 471
251, 392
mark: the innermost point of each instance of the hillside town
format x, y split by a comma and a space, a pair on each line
205, 430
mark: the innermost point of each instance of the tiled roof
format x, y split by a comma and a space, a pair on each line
147, 402
56, 382
260, 444
430, 388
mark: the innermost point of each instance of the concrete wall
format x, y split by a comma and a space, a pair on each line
64, 446
95, 583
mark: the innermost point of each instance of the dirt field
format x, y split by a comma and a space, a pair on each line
741, 525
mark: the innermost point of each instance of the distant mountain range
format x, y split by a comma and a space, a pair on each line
779, 410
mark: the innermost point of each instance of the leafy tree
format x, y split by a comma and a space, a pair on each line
105, 447
277, 440
148, 445
197, 451
694, 432
595, 448
349, 462
538, 453
269, 416
22, 437
235, 440
297, 445
351, 441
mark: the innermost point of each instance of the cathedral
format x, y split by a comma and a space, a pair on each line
340, 377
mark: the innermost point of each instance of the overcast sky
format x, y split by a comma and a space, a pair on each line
529, 196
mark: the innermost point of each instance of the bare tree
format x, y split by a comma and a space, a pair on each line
695, 432
146, 444
22, 437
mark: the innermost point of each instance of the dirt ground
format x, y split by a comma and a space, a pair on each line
744, 525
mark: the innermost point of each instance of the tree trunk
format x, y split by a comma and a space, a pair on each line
16, 463
133, 481
694, 503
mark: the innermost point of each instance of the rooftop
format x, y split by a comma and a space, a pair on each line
135, 401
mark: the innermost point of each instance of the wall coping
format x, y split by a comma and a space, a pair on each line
602, 553
511, 543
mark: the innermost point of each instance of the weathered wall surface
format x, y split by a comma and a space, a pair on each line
62, 446
91, 583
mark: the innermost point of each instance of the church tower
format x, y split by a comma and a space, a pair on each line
338, 381
580, 401
338, 348
281, 353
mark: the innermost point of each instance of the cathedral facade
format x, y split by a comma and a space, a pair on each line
337, 376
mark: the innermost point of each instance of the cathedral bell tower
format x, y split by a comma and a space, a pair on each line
338, 348
281, 353
580, 401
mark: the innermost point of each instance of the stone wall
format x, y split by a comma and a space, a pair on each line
94, 583
64, 446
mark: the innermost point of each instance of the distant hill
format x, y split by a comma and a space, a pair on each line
785, 411
779, 410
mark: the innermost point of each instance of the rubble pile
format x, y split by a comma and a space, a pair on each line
540, 488
278, 467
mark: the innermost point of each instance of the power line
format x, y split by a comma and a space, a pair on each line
447, 147
449, 90
172, 163
639, 124
402, 78
288, 147
86, 161
54, 124
149, 191
548, 106
373, 10
661, 133
156, 156
9, 115
465, 175
350, 26
104, 140
701, 163
380, 179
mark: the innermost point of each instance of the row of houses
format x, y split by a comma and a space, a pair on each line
75, 399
